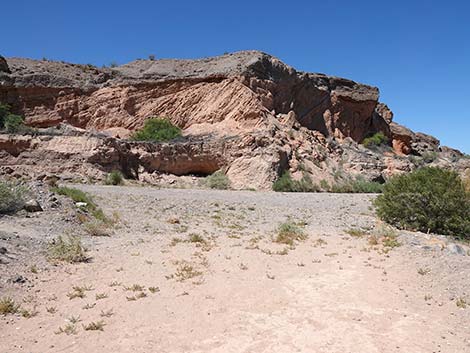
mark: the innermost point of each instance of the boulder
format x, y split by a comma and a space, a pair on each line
32, 205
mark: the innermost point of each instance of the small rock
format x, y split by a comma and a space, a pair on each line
18, 279
81, 204
455, 249
32, 206
3, 250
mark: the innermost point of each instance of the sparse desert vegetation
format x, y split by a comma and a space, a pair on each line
68, 249
115, 177
212, 252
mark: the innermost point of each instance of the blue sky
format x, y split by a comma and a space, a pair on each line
416, 52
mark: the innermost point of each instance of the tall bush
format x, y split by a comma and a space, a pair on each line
429, 200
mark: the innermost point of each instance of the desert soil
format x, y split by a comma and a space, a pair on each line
233, 289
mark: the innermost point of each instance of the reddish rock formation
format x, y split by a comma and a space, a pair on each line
245, 112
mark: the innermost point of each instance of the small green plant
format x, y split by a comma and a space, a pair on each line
68, 329
51, 309
97, 228
218, 180
135, 288
74, 319
107, 313
429, 200
11, 123
67, 249
423, 271
186, 271
114, 178
95, 326
100, 296
196, 238
157, 130
8, 306
289, 232
461, 303
375, 140
154, 289
356, 232
12, 197
28, 314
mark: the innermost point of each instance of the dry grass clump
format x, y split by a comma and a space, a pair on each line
289, 232
95, 326
97, 229
8, 306
68, 249
186, 271
68, 329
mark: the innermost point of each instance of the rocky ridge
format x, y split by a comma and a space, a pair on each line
247, 113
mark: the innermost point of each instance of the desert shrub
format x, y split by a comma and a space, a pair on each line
13, 123
8, 306
69, 249
288, 232
375, 140
157, 130
357, 185
12, 197
114, 178
218, 180
286, 184
429, 200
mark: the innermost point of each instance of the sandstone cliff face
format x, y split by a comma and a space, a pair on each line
238, 91
247, 113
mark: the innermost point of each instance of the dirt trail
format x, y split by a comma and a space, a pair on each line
214, 280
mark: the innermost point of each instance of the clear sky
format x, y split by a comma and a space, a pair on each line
416, 52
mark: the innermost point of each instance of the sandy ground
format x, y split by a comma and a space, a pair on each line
238, 291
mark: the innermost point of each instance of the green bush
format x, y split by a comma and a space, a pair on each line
218, 180
429, 200
357, 185
11, 123
286, 184
288, 232
114, 178
157, 130
14, 123
375, 140
12, 197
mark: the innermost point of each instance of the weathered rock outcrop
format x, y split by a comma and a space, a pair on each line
245, 112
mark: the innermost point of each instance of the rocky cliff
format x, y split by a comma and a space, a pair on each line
245, 112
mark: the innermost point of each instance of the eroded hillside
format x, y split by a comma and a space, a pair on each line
247, 113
